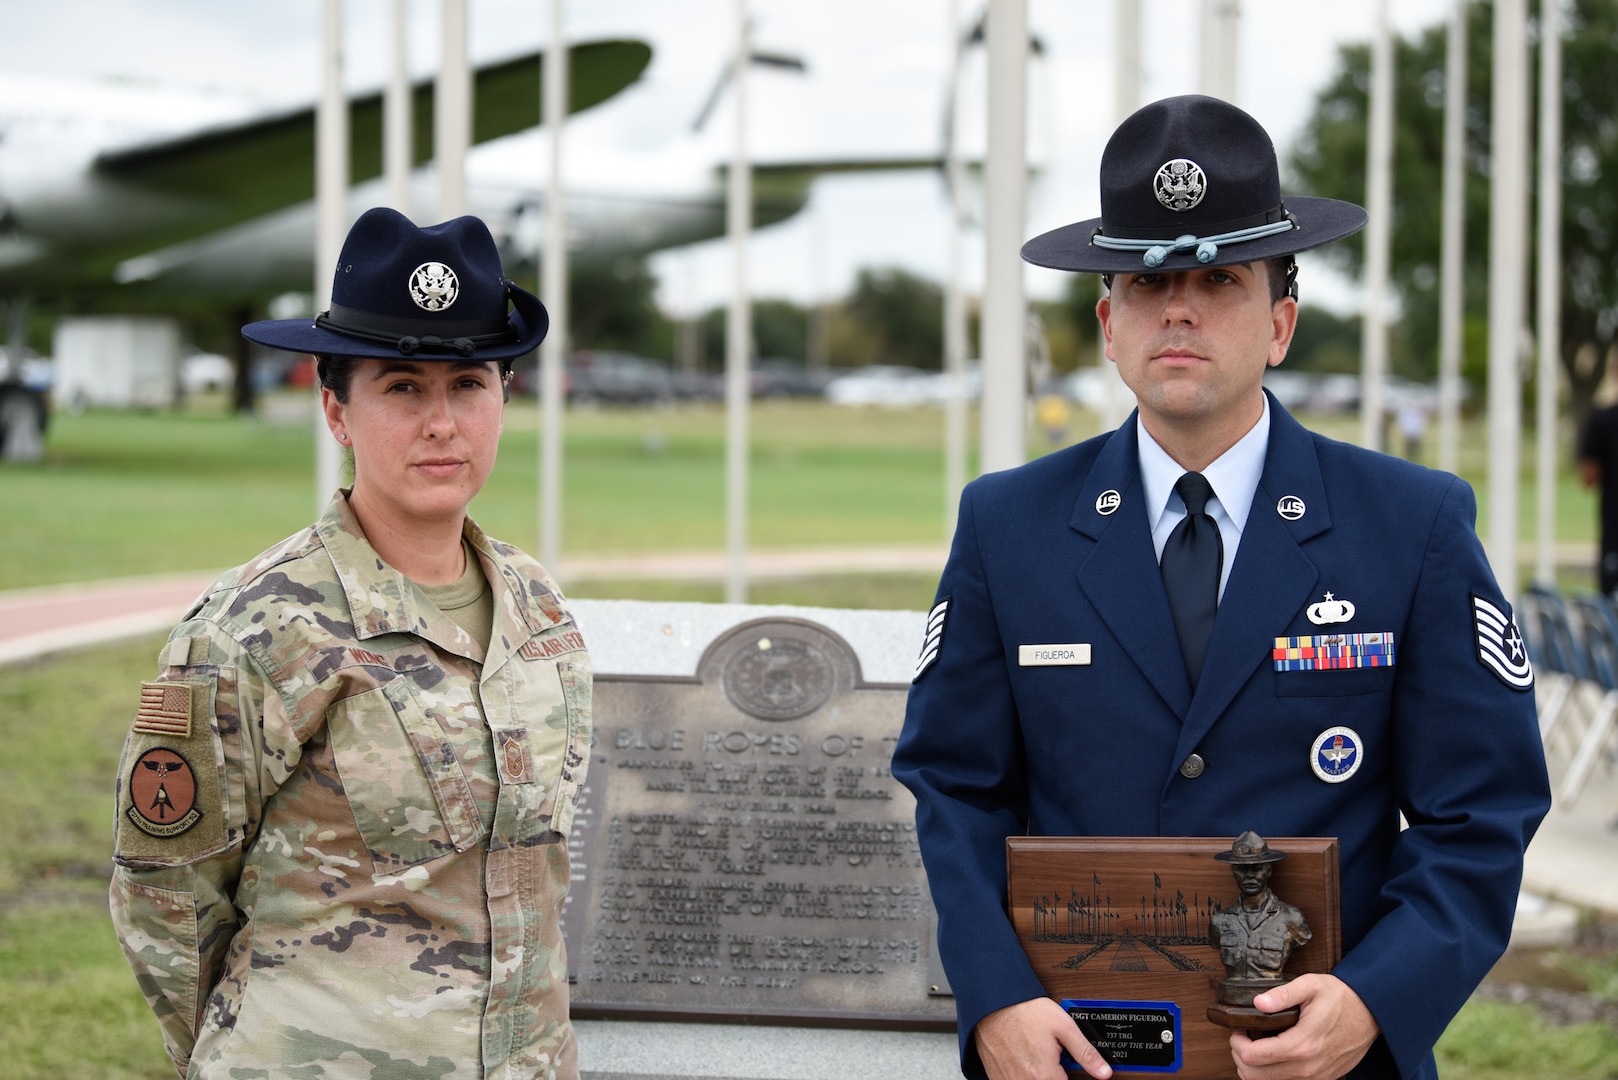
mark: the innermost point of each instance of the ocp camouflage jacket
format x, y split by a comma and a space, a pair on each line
341, 829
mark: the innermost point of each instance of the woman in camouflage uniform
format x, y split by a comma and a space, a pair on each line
343, 805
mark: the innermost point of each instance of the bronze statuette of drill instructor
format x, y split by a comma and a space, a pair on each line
1254, 939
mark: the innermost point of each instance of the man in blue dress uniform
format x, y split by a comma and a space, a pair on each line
1213, 620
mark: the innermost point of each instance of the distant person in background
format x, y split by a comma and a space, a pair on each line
1412, 428
344, 802
1598, 468
1053, 413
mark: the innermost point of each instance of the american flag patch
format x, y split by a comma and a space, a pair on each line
1500, 645
165, 709
1333, 652
933, 640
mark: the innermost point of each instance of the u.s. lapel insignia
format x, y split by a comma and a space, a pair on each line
1290, 507
1108, 502
1500, 645
1330, 610
1336, 754
933, 639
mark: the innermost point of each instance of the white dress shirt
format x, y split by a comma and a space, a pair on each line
1234, 477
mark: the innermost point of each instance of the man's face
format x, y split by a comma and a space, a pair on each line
1252, 880
1193, 346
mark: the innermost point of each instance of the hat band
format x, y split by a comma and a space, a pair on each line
1155, 252
410, 336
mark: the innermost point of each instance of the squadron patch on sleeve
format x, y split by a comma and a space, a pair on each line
162, 793
1500, 645
933, 640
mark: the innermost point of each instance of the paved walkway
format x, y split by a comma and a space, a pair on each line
1573, 861
34, 622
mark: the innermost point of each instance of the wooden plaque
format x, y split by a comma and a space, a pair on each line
1111, 921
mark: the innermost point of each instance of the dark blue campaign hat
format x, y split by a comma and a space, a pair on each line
1186, 182
431, 294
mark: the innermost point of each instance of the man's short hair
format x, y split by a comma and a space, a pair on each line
1281, 270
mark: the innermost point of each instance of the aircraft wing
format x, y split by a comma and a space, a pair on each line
267, 164
781, 188
274, 252
143, 198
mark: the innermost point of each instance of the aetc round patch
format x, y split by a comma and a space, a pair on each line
162, 794
1336, 754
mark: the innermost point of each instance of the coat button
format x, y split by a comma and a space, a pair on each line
1191, 767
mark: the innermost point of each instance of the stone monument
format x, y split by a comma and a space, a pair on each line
742, 856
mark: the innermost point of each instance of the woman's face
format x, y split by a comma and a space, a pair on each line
424, 433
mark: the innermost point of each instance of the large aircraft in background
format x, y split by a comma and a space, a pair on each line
94, 179
131, 193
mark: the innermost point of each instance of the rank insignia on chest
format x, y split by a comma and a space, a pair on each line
1333, 652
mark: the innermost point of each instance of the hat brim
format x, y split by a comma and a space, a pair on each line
1250, 860
528, 316
1319, 221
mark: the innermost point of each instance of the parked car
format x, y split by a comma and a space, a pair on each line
617, 378
201, 371
779, 377
888, 385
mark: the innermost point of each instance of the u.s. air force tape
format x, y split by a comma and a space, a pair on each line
1500, 645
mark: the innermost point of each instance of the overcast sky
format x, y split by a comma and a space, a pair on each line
875, 86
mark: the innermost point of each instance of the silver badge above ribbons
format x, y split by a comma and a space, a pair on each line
1180, 184
1330, 610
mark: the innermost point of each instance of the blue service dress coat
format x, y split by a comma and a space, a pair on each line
1446, 735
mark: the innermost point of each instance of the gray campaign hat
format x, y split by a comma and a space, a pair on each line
1250, 849
1186, 182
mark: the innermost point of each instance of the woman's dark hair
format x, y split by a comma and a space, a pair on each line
337, 373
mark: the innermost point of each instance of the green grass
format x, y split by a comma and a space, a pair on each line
69, 1001
71, 1008
129, 493
1495, 1041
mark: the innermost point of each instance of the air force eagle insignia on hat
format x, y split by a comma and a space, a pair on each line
435, 293
1186, 182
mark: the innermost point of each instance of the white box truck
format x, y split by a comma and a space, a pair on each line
116, 361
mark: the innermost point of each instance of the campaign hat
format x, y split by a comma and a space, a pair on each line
1191, 182
433, 293
1250, 849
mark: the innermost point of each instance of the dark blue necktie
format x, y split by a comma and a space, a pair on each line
1191, 562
